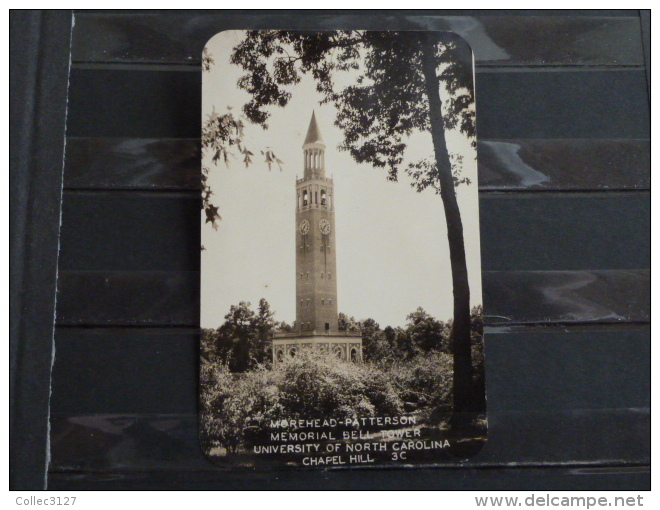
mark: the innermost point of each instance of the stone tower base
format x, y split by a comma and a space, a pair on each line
347, 345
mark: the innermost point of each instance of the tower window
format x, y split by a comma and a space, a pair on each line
327, 326
322, 197
302, 302
316, 197
309, 325
329, 276
304, 197
329, 301
354, 356
323, 301
322, 275
301, 275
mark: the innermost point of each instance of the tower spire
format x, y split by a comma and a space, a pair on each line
314, 150
313, 133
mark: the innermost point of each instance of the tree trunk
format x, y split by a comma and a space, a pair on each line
464, 405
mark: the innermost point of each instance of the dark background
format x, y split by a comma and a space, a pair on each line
565, 249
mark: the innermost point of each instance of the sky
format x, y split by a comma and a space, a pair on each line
391, 241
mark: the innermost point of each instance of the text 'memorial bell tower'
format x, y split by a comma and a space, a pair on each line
316, 263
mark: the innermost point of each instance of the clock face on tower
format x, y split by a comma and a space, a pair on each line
324, 227
303, 228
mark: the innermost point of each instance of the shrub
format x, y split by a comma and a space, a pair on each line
234, 404
314, 385
238, 408
425, 379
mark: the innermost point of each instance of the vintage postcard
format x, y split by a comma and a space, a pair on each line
341, 307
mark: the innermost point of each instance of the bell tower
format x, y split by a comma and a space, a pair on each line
316, 263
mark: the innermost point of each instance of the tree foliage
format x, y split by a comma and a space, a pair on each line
405, 370
243, 340
231, 406
236, 409
223, 139
385, 104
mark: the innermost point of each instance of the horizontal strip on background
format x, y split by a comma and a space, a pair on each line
139, 231
136, 442
529, 105
156, 371
554, 231
145, 298
496, 40
584, 389
504, 165
547, 297
153, 371
620, 478
162, 298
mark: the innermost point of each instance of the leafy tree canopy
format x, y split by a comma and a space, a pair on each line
385, 103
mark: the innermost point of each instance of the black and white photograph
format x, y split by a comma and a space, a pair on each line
341, 312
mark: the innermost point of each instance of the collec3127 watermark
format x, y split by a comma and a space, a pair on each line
50, 501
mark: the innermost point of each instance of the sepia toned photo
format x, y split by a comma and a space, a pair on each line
341, 309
